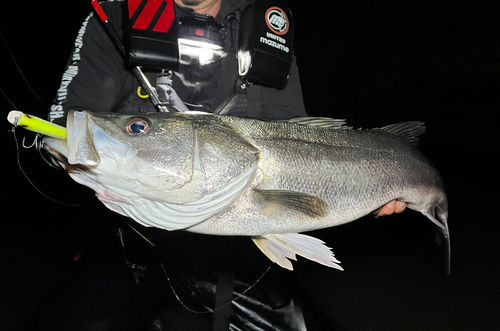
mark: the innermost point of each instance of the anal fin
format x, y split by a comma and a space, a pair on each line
279, 248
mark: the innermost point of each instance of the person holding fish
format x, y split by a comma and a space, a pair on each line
228, 57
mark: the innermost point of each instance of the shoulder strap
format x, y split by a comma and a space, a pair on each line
229, 64
223, 298
228, 77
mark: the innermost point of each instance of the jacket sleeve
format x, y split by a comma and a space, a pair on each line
286, 103
94, 78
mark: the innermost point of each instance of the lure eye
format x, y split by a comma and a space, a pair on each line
137, 125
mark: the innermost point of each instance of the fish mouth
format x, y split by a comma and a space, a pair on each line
70, 151
57, 148
80, 139
58, 151
86, 149
86, 143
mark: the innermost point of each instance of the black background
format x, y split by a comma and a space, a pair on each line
374, 63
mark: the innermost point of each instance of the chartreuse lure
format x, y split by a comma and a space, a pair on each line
36, 124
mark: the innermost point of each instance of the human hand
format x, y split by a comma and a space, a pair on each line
394, 206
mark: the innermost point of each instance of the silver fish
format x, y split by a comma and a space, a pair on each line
224, 175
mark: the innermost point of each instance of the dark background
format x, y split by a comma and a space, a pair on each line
374, 63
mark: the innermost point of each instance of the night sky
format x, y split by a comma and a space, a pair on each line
372, 63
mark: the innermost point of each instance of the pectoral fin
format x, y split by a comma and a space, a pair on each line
273, 202
279, 248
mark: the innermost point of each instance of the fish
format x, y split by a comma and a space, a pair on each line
271, 181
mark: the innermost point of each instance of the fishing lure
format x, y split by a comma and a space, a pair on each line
36, 124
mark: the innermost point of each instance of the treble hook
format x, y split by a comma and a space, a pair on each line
35, 143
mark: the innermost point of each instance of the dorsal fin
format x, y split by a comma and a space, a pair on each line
406, 130
320, 122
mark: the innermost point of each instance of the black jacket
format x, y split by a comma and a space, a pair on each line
97, 79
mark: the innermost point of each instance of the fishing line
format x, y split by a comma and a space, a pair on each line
37, 145
58, 167
20, 72
29, 180
215, 309
36, 142
8, 99
172, 286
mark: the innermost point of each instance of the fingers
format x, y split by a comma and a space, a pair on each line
386, 209
400, 206
394, 206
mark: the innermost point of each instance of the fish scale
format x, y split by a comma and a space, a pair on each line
267, 180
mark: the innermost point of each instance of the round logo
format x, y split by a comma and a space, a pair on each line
277, 20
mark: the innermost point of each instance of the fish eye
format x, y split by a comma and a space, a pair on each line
136, 126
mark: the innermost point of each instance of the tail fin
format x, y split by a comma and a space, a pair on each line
441, 210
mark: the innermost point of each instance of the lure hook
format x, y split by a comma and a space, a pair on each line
36, 142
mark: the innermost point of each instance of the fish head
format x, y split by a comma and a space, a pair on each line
155, 159
139, 154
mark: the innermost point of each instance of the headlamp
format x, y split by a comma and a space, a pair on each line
165, 40
201, 40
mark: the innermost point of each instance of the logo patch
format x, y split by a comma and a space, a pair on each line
277, 20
